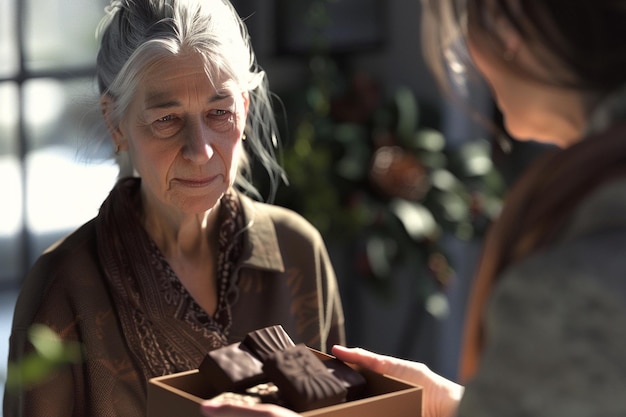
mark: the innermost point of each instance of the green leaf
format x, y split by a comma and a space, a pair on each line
428, 139
408, 113
46, 342
417, 220
50, 353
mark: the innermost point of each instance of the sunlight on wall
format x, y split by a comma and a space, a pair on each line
11, 209
8, 47
45, 101
62, 193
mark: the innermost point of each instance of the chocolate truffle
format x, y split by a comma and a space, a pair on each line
350, 378
231, 368
303, 380
264, 342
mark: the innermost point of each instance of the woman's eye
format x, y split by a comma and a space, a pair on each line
167, 125
167, 118
221, 120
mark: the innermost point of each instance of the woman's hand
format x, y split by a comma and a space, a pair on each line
440, 396
219, 409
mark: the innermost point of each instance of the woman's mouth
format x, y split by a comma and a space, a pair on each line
195, 182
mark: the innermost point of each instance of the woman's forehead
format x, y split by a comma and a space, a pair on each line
168, 73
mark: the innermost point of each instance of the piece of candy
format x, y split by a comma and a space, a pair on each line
350, 378
231, 368
305, 383
264, 342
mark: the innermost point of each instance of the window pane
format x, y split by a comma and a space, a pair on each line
61, 33
10, 173
62, 189
8, 44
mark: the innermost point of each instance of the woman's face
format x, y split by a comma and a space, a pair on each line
184, 134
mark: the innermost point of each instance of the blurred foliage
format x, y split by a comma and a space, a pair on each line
373, 170
49, 354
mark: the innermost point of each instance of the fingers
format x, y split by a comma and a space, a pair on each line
361, 357
412, 372
219, 409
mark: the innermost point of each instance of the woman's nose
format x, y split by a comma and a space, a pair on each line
198, 146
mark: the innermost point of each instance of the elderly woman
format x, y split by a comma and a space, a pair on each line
546, 325
178, 261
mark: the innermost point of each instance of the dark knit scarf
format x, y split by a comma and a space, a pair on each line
165, 329
535, 212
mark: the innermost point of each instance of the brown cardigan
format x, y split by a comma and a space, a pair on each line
285, 276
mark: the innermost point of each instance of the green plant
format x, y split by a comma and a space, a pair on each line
376, 173
50, 352
366, 169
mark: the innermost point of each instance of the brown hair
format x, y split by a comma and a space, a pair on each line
585, 37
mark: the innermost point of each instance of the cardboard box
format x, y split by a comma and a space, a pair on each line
181, 395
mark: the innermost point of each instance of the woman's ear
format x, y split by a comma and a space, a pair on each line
246, 105
106, 107
246, 101
511, 39
498, 23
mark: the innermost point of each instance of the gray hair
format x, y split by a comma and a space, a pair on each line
136, 33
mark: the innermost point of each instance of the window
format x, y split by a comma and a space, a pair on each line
47, 58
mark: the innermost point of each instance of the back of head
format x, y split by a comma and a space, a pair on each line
584, 38
136, 34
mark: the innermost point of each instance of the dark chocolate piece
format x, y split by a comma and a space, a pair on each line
351, 379
264, 342
303, 380
231, 368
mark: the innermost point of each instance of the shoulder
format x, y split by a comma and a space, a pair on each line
65, 253
278, 238
589, 264
578, 277
284, 220
57, 271
589, 249
79, 240
603, 209
560, 312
